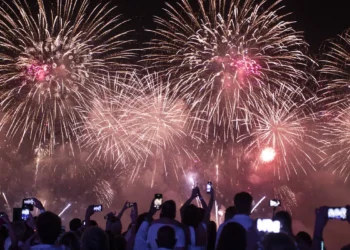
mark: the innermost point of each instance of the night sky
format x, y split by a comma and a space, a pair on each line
320, 20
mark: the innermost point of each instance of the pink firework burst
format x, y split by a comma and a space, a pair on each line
37, 72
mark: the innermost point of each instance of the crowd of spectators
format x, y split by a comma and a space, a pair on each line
146, 231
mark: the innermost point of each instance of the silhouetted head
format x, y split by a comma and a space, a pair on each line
233, 236
168, 210
94, 238
75, 224
70, 240
243, 203
166, 237
278, 241
304, 238
191, 216
230, 212
48, 226
285, 219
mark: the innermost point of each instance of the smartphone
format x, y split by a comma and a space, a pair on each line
130, 204
337, 213
275, 203
158, 200
28, 203
209, 185
98, 208
25, 214
268, 226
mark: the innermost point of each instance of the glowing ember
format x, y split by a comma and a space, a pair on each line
247, 65
268, 155
37, 72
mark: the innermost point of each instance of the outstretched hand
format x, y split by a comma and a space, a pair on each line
38, 204
195, 192
89, 211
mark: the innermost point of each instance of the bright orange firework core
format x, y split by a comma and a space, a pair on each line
267, 155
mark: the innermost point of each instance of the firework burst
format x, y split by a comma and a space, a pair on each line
49, 56
142, 120
336, 135
225, 56
335, 67
286, 196
281, 135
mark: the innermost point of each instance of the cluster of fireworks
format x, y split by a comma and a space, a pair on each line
224, 71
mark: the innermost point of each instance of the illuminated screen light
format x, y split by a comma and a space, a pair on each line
268, 155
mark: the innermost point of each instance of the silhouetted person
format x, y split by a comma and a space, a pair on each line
75, 224
279, 241
48, 228
70, 240
243, 203
233, 236
286, 222
94, 238
167, 218
166, 238
304, 240
230, 212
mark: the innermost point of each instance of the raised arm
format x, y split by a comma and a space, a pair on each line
123, 210
204, 204
189, 201
206, 218
320, 223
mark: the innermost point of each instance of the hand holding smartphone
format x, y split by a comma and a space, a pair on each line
25, 214
97, 208
158, 200
209, 187
337, 213
275, 203
28, 203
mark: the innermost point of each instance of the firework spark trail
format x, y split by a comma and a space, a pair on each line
225, 56
49, 56
144, 120
335, 73
104, 191
64, 210
5, 198
257, 204
286, 196
282, 125
337, 141
335, 68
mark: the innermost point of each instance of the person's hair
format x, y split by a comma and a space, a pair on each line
232, 235
48, 226
93, 223
166, 237
168, 210
70, 240
190, 216
114, 225
94, 238
75, 224
230, 212
277, 241
243, 203
305, 238
285, 219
